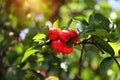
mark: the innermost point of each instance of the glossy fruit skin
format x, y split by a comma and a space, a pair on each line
57, 45
67, 50
53, 34
60, 41
73, 35
64, 36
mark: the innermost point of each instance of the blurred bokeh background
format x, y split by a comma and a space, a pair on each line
21, 20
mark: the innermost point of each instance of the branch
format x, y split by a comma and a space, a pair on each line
99, 48
116, 61
80, 61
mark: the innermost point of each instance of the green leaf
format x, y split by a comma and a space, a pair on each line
81, 26
13, 20
118, 30
97, 20
69, 23
12, 57
103, 45
99, 31
90, 3
105, 64
40, 57
56, 24
28, 53
103, 21
82, 20
52, 59
119, 52
39, 37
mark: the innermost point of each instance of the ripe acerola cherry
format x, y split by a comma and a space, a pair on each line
62, 41
73, 35
57, 45
67, 50
64, 35
53, 34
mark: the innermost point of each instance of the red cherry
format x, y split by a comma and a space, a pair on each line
64, 35
57, 45
73, 35
53, 34
67, 50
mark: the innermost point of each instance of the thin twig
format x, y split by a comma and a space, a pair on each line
116, 61
80, 61
99, 49
84, 43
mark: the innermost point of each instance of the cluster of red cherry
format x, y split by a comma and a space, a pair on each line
59, 40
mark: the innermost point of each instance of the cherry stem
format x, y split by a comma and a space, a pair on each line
80, 61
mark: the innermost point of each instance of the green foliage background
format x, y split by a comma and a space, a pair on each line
29, 18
